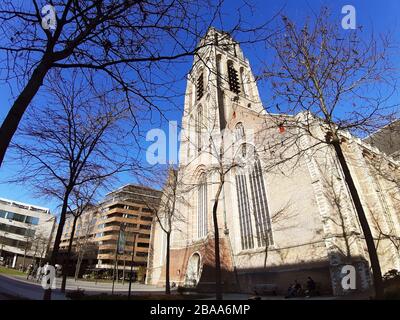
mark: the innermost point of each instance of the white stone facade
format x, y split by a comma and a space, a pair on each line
309, 221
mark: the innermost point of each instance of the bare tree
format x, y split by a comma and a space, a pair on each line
167, 213
84, 245
224, 152
41, 245
339, 80
130, 44
281, 218
78, 144
82, 199
385, 177
221, 170
29, 240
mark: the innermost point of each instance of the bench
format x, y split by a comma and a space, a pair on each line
265, 288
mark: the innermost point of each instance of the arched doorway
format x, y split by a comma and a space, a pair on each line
193, 271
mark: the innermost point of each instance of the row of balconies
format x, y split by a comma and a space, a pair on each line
121, 257
127, 211
121, 220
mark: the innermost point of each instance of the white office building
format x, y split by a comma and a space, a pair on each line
25, 233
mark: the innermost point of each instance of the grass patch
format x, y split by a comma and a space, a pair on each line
11, 272
98, 280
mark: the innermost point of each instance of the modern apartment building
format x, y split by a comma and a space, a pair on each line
117, 227
25, 232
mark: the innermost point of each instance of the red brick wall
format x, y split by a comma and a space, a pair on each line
180, 258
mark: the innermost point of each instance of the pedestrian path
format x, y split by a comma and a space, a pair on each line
19, 286
98, 286
12, 287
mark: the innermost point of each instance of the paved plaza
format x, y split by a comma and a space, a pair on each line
19, 286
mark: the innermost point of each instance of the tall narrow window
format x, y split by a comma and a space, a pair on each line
200, 86
246, 230
220, 95
260, 207
233, 78
239, 131
199, 124
242, 81
202, 207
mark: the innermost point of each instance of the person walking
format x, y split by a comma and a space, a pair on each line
39, 273
29, 271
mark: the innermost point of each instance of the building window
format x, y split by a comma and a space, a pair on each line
18, 217
200, 86
17, 230
260, 206
141, 254
242, 81
246, 230
239, 132
202, 207
253, 206
233, 78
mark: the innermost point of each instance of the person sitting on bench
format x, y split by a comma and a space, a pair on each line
310, 286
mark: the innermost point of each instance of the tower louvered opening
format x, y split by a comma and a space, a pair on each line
200, 87
233, 77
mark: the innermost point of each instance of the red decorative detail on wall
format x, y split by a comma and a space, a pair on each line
281, 129
234, 114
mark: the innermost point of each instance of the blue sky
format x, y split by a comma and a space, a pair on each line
377, 16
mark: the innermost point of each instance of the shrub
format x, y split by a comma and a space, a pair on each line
391, 274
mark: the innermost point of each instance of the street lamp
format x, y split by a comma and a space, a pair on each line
121, 229
135, 233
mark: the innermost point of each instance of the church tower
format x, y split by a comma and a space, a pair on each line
219, 83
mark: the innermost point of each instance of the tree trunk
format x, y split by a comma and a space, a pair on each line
167, 284
34, 256
23, 260
218, 284
82, 251
14, 116
123, 271
373, 256
57, 240
66, 258
78, 265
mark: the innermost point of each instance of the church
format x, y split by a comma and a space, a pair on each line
284, 210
